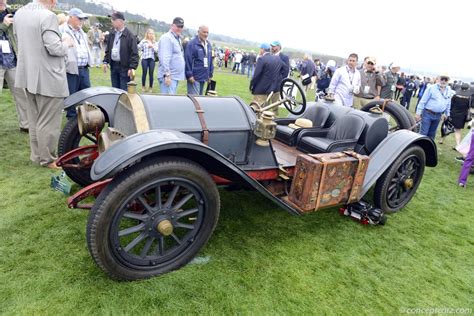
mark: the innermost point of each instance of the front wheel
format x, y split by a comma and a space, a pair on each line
398, 184
70, 139
153, 218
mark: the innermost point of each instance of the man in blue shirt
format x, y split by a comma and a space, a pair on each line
198, 57
171, 56
434, 105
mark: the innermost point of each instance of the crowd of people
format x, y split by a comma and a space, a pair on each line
46, 57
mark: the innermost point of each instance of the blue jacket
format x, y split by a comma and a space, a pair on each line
194, 55
286, 65
267, 75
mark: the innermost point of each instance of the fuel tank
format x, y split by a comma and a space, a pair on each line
226, 123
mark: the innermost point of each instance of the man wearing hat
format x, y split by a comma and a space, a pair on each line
276, 50
390, 79
78, 58
8, 64
171, 55
96, 39
434, 106
121, 52
370, 84
41, 71
268, 72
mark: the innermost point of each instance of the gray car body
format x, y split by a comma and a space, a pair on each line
161, 142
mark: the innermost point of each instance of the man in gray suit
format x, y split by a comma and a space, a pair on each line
41, 71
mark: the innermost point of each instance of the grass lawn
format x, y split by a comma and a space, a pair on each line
261, 259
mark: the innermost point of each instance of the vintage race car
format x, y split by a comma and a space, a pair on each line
154, 164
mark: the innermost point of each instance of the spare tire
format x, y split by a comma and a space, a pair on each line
398, 117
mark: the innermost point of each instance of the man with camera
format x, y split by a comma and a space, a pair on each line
345, 82
95, 39
8, 62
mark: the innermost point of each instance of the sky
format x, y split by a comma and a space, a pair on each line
429, 36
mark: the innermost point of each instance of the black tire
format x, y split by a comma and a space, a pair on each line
69, 140
401, 179
123, 202
402, 117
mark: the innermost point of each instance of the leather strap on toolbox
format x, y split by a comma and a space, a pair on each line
324, 161
200, 113
353, 198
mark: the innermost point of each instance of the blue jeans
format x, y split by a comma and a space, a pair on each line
250, 71
119, 76
171, 89
242, 67
148, 65
196, 88
76, 83
429, 123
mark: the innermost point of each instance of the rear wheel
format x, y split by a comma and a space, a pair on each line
70, 139
153, 218
398, 184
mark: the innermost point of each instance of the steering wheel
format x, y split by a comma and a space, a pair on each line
293, 93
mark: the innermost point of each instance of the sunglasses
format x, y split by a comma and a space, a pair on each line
179, 26
444, 79
370, 63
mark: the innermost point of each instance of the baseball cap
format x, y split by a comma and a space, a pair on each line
77, 13
178, 22
372, 60
265, 46
116, 15
395, 65
275, 43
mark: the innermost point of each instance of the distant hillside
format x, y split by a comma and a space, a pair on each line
99, 8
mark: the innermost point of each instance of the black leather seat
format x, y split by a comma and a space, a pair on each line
317, 114
342, 135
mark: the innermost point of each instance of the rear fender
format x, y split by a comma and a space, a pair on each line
391, 148
162, 142
104, 97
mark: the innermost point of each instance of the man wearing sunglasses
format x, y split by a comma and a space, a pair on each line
434, 106
371, 84
79, 56
171, 55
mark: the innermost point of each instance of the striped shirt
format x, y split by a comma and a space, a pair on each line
82, 48
147, 52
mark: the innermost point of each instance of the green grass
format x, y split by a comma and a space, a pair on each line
262, 260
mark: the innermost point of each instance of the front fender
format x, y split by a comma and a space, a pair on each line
389, 150
104, 97
174, 143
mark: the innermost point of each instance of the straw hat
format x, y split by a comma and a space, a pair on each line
301, 123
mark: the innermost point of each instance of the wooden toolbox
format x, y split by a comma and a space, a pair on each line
324, 180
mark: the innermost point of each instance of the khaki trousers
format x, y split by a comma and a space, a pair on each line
360, 102
261, 98
44, 118
19, 95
